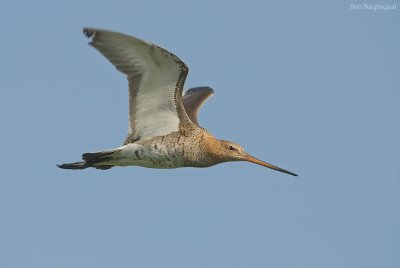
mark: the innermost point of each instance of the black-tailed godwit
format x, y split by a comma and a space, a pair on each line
163, 127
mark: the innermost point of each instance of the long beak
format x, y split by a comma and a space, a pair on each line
254, 160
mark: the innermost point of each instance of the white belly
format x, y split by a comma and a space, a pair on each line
151, 156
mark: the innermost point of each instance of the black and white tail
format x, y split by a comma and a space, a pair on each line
92, 160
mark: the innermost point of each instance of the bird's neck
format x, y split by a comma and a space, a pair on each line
214, 151
202, 149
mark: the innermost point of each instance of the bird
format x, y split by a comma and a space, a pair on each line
163, 127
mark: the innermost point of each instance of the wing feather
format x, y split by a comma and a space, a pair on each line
156, 78
193, 100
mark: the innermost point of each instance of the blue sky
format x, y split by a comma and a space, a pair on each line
313, 87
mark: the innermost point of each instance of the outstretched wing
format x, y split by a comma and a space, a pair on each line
156, 79
193, 100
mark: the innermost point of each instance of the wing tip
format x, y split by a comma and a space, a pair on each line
89, 32
194, 89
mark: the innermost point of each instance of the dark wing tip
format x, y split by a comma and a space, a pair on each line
198, 89
89, 32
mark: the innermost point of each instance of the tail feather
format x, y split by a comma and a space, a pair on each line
76, 165
91, 160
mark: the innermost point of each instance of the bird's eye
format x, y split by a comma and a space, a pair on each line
232, 148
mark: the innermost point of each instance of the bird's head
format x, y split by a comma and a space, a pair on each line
230, 151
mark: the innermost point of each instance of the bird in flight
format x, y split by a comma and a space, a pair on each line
163, 126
